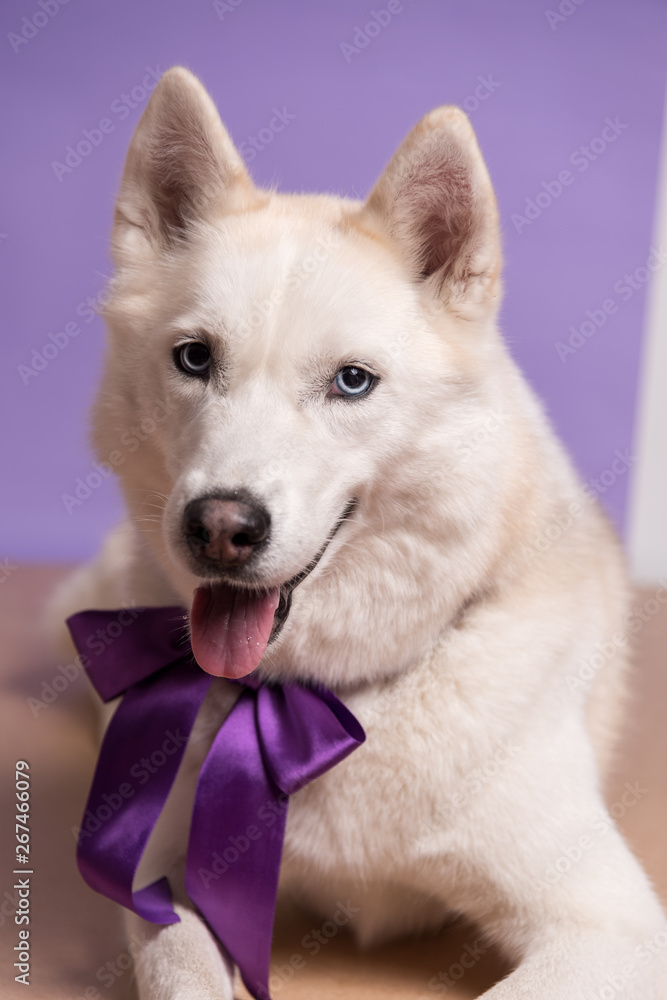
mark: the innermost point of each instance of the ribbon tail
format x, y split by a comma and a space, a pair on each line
140, 755
236, 842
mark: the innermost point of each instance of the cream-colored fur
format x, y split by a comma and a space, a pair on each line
435, 614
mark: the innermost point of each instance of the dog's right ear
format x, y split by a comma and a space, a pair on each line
181, 166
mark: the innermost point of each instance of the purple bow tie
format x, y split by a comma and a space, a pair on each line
273, 742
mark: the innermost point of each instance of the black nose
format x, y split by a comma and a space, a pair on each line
224, 531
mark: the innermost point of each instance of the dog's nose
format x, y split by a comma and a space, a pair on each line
225, 531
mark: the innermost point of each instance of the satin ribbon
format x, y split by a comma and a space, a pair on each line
275, 740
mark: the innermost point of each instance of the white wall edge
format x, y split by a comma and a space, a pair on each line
647, 512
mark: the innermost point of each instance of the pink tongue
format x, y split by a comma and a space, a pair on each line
230, 628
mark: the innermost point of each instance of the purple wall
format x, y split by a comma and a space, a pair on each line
550, 88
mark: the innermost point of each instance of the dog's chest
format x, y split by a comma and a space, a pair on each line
379, 808
370, 813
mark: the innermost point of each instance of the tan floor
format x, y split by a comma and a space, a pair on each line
76, 939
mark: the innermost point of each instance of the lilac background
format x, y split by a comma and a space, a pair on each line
556, 88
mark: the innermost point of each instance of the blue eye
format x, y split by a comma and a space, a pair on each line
194, 358
351, 381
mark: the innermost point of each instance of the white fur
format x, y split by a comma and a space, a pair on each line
431, 613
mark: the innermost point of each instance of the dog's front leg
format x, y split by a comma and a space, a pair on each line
179, 961
544, 871
580, 963
595, 931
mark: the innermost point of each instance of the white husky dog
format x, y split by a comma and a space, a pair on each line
321, 432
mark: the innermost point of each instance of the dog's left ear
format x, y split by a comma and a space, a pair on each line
435, 200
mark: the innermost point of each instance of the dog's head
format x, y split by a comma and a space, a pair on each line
307, 389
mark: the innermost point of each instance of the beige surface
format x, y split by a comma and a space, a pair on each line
77, 934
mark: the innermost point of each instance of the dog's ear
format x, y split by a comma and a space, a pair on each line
435, 200
181, 166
